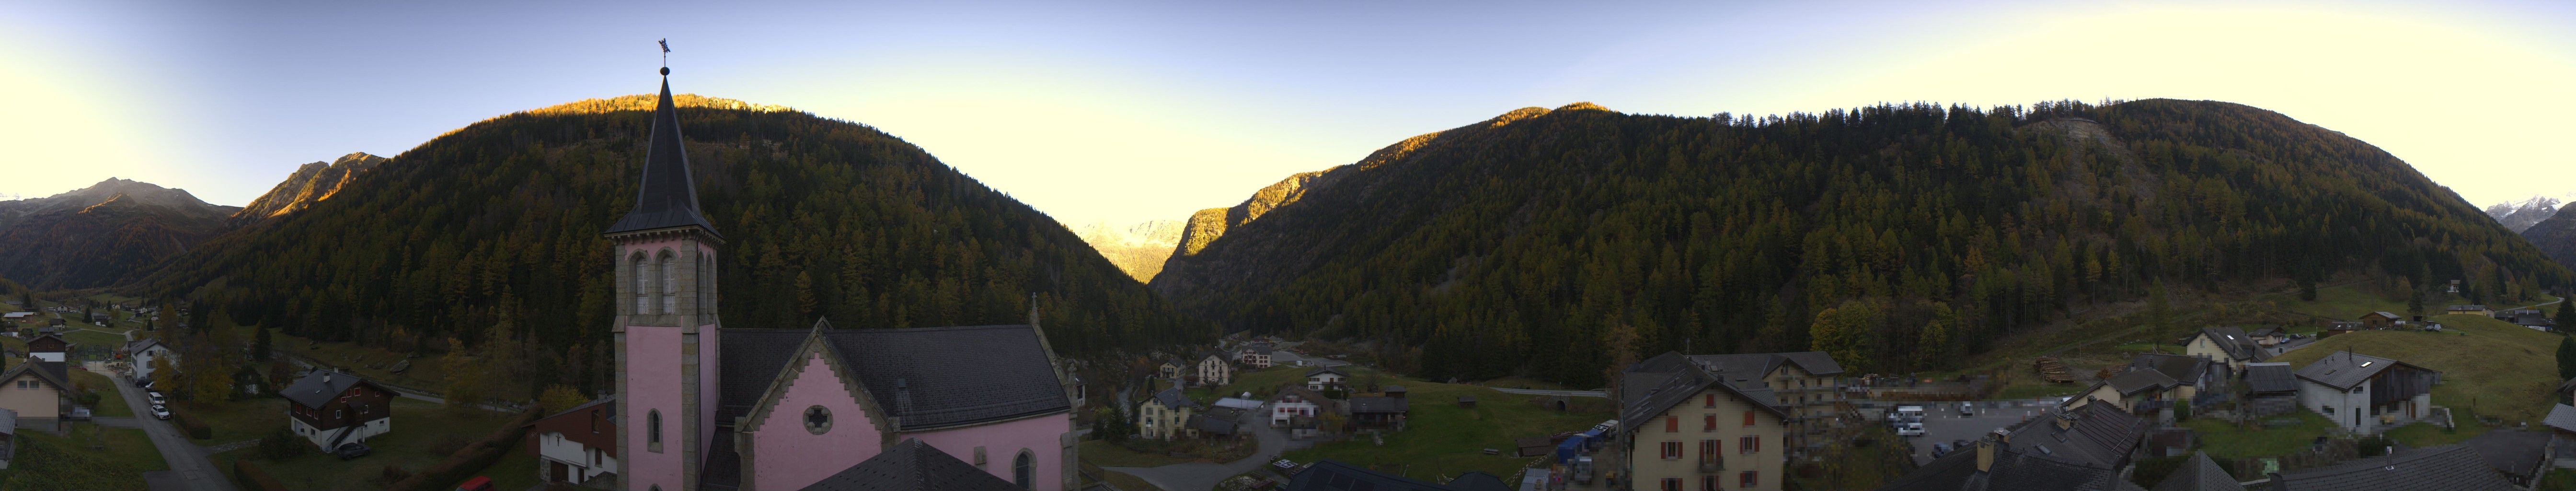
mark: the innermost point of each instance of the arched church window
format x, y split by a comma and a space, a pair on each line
653, 427
1024, 470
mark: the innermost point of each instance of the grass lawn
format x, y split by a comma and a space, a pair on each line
1443, 439
126, 455
517, 469
111, 402
1262, 384
417, 428
1105, 454
424, 373
2489, 367
1519, 383
243, 419
91, 336
2221, 439
128, 445
2559, 480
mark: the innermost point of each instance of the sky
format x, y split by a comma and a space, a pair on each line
1130, 111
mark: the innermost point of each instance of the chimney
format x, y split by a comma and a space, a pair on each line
326, 377
1986, 451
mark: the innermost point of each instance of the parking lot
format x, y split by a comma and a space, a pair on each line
1942, 422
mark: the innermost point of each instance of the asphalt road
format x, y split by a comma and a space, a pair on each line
1567, 393
189, 469
1197, 476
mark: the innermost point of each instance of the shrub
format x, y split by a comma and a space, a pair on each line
448, 444
392, 474
250, 476
282, 444
189, 423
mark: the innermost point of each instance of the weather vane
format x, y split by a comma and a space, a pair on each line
666, 55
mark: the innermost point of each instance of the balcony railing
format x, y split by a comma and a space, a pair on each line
1712, 466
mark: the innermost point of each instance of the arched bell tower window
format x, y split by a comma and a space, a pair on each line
653, 430
643, 285
670, 284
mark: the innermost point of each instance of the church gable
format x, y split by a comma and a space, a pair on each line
800, 382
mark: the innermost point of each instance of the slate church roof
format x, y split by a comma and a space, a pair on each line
929, 377
912, 466
669, 197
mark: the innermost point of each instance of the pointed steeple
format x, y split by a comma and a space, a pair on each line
668, 197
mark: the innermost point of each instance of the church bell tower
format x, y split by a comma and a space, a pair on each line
666, 331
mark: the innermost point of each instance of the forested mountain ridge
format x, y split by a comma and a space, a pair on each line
1555, 243
2556, 236
500, 222
97, 235
309, 183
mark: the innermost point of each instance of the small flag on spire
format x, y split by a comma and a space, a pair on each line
666, 55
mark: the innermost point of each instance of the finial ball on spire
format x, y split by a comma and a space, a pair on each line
666, 71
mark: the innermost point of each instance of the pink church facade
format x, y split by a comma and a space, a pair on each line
703, 407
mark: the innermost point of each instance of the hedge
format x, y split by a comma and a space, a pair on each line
250, 476
189, 423
476, 456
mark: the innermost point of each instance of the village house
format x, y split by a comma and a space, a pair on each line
2561, 425
721, 408
2199, 474
332, 408
1256, 357
1165, 416
2522, 456
1385, 412
49, 347
20, 318
2087, 447
2229, 345
2380, 320
39, 393
1806, 385
2269, 336
1213, 370
2447, 467
2365, 394
1696, 430
1299, 410
8, 437
2272, 388
577, 445
2530, 318
1221, 424
143, 351
2469, 310
1327, 378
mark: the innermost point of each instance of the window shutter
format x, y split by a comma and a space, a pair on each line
1672, 424
1748, 417
1712, 399
1710, 421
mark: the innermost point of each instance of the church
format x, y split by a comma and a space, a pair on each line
706, 407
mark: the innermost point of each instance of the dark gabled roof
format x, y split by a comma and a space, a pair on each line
314, 391
928, 377
1333, 475
1392, 388
2011, 471
1172, 398
2136, 381
2345, 369
2235, 342
1326, 369
1375, 405
2443, 468
31, 342
2468, 307
141, 345
2513, 452
2098, 435
1213, 421
52, 372
668, 196
2266, 331
912, 466
2199, 474
1814, 362
2382, 313
2183, 369
723, 468
2270, 377
611, 414
1654, 399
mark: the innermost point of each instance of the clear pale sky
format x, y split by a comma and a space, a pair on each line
1138, 111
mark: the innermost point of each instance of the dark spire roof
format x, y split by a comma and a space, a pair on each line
668, 198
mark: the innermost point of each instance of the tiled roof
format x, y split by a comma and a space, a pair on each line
1372, 405
2443, 468
2345, 369
313, 391
2515, 453
1814, 362
2136, 381
1653, 399
2011, 471
929, 377
2270, 377
1172, 398
1326, 369
2562, 417
912, 466
723, 468
2235, 342
2199, 474
2099, 435
2382, 313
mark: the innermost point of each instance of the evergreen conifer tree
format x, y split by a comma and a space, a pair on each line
2566, 357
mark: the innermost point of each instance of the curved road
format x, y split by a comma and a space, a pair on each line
1197, 476
1566, 393
188, 464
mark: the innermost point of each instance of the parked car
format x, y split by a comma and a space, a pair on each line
145, 382
1967, 409
352, 450
157, 399
160, 411
1940, 449
1910, 429
478, 483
